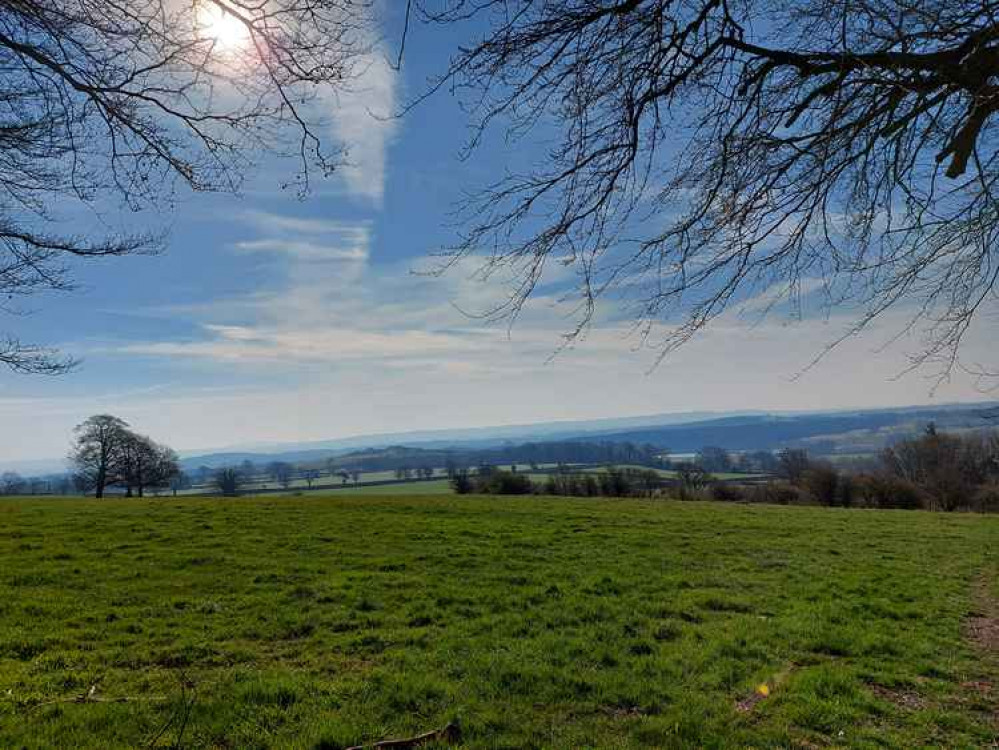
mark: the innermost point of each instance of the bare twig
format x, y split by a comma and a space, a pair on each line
451, 733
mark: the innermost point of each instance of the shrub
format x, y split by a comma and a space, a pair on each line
505, 483
948, 468
461, 483
728, 493
779, 493
884, 491
820, 480
986, 499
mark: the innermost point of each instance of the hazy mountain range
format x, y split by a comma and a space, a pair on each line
856, 431
861, 431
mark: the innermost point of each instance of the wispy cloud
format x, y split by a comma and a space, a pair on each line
363, 119
281, 224
335, 344
276, 345
307, 250
327, 304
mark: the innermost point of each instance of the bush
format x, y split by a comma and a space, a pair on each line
986, 499
820, 481
504, 483
461, 483
884, 491
779, 493
728, 493
948, 468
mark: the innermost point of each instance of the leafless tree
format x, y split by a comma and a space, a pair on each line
11, 483
792, 463
98, 450
706, 152
691, 478
248, 470
179, 480
228, 481
109, 104
282, 472
947, 466
145, 464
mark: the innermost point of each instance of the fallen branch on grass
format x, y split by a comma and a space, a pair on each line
449, 733
91, 697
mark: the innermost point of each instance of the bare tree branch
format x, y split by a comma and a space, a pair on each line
105, 101
708, 151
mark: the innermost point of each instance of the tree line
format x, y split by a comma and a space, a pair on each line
934, 471
612, 481
231, 480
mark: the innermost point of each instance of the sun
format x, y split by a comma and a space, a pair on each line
222, 27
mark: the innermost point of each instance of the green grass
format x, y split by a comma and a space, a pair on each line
423, 487
322, 621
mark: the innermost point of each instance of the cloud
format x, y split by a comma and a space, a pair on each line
289, 346
308, 250
280, 224
334, 344
327, 304
363, 119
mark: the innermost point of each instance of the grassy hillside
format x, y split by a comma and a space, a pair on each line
327, 621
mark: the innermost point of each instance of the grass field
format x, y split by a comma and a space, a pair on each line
423, 487
326, 621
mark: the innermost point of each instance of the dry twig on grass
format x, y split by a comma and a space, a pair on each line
91, 697
449, 733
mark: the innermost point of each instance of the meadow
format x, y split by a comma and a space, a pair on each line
330, 620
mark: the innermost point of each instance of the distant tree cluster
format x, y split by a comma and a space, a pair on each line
228, 480
12, 483
107, 453
717, 460
936, 471
950, 471
491, 482
417, 461
281, 472
611, 482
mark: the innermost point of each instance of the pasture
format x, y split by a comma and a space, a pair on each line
331, 620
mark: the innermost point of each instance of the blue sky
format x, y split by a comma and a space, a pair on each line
270, 318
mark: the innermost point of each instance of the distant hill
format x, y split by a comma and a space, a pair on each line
821, 433
839, 432
482, 436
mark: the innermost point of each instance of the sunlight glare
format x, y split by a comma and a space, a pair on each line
227, 31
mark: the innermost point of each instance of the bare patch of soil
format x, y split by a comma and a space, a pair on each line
902, 698
981, 630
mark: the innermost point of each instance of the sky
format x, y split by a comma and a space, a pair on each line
272, 319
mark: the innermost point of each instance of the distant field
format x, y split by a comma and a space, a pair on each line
425, 487
393, 486
324, 621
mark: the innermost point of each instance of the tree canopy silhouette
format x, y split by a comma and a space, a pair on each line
705, 152
120, 100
